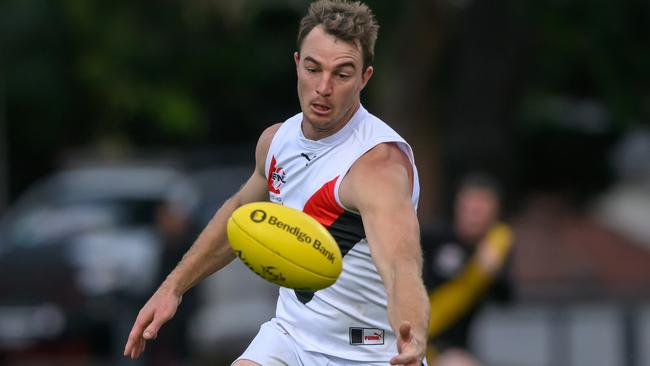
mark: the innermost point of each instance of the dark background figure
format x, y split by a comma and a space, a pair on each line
466, 264
177, 231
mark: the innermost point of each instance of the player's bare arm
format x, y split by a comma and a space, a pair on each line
379, 185
209, 253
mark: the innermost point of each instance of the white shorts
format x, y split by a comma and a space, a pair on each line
274, 346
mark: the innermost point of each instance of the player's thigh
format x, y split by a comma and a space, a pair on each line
271, 346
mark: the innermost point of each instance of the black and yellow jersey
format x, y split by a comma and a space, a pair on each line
457, 284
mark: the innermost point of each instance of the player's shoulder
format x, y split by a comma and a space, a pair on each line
381, 170
264, 142
267, 135
284, 127
382, 157
269, 132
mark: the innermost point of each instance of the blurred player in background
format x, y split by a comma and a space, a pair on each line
465, 264
356, 176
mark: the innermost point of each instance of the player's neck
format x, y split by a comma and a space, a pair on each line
312, 132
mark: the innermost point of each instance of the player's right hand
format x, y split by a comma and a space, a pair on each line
159, 309
411, 348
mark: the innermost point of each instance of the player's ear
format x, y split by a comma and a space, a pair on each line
366, 76
296, 59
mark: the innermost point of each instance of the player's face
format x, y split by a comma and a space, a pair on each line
330, 80
476, 210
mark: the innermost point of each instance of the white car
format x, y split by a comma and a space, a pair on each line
78, 243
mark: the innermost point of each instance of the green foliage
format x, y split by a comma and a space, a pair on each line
196, 72
130, 62
594, 49
157, 73
79, 73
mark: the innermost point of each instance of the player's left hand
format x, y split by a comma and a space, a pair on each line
410, 346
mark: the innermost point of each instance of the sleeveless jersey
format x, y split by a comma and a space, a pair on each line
348, 319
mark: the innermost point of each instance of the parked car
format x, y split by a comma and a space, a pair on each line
80, 250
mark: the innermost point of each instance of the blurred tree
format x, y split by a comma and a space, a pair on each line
482, 79
587, 83
178, 74
596, 49
450, 74
4, 171
408, 54
40, 99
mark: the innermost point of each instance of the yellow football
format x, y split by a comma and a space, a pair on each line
285, 246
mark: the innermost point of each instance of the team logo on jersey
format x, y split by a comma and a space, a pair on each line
366, 336
277, 177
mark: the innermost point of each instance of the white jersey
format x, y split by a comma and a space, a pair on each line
348, 319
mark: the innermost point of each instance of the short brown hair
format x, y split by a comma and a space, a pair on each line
348, 21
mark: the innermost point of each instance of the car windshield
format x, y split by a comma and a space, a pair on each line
78, 201
50, 223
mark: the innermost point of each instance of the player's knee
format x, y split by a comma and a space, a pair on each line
456, 357
245, 363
